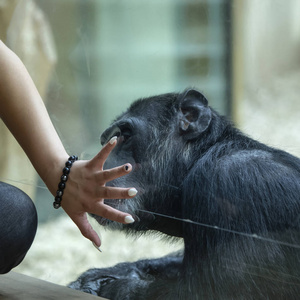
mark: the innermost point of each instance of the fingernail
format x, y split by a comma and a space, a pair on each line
98, 248
126, 167
113, 139
129, 219
132, 192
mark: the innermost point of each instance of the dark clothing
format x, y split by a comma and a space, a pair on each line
18, 225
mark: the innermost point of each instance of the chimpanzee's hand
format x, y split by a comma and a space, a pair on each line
85, 192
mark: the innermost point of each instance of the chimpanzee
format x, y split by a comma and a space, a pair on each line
233, 200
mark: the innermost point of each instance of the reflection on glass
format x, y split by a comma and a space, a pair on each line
91, 59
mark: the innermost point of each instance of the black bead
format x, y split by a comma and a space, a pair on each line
64, 178
61, 185
68, 163
59, 193
66, 171
56, 205
57, 199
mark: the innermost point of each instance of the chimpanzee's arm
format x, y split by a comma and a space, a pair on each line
131, 279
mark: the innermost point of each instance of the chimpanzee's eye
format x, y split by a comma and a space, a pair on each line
125, 132
126, 135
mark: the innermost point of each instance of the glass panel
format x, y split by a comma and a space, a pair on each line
91, 59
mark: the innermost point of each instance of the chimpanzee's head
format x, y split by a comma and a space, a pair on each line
160, 136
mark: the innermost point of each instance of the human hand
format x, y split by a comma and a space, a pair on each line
85, 192
21, 109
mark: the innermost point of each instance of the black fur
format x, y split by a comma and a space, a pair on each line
191, 163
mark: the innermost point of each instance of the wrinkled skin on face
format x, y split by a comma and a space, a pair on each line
154, 135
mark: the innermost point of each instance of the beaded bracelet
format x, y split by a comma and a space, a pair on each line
63, 180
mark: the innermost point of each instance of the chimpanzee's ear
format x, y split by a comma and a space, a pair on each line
194, 116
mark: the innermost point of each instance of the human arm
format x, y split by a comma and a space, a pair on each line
24, 113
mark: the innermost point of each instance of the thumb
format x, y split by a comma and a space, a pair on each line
86, 228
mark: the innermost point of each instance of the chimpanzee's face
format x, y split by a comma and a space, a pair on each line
145, 123
141, 133
154, 136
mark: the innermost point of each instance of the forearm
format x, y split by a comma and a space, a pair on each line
24, 113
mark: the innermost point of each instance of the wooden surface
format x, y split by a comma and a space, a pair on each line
15, 286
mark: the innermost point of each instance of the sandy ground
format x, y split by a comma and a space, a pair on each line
59, 253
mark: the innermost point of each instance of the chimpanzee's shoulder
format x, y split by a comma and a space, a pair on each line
241, 154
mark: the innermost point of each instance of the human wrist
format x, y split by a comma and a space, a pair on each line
63, 181
53, 171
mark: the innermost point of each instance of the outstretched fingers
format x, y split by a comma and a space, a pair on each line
101, 157
86, 228
112, 214
108, 192
111, 174
92, 190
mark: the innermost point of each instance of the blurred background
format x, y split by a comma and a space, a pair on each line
91, 58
